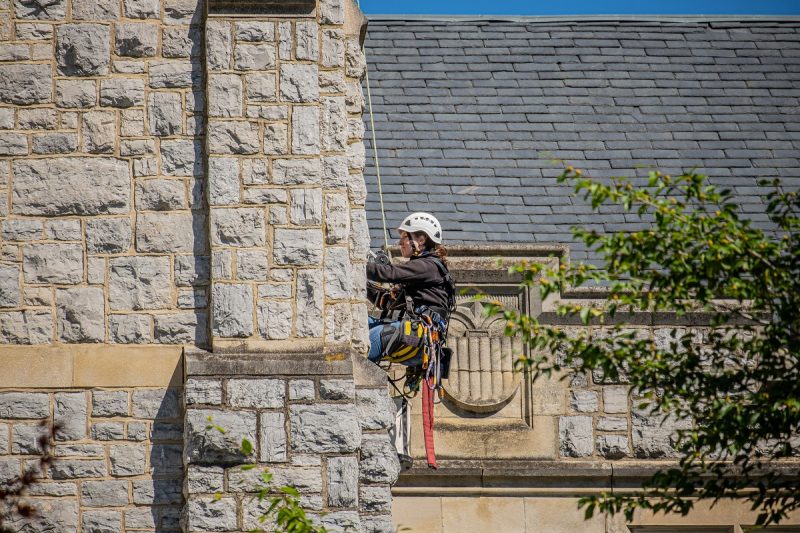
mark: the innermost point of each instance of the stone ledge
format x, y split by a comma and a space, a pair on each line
332, 363
81, 365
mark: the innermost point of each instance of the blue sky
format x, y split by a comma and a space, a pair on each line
582, 7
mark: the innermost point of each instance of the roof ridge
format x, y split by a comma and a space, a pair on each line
587, 18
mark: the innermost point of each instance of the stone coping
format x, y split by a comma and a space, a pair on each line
514, 475
302, 363
74, 366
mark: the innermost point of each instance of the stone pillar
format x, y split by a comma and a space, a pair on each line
288, 241
285, 188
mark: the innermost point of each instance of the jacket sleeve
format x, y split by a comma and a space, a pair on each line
413, 271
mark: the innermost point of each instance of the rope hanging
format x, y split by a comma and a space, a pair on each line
375, 156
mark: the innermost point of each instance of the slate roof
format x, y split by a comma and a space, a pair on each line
469, 114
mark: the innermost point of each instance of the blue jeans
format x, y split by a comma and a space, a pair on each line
376, 346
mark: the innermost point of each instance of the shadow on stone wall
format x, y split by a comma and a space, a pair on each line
165, 497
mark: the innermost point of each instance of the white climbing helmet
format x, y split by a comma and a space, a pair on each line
424, 222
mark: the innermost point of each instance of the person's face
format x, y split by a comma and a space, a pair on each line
406, 248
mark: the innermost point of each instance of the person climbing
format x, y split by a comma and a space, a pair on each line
423, 294
412, 328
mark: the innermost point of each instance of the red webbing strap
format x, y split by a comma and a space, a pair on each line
427, 423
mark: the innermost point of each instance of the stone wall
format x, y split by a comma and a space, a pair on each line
118, 457
102, 214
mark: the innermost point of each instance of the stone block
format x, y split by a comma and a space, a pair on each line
96, 271
310, 297
337, 225
356, 156
174, 73
332, 81
70, 414
355, 62
55, 10
338, 275
107, 493
181, 157
615, 399
79, 314
101, 521
254, 172
261, 87
305, 130
225, 95
165, 113
359, 234
299, 83
181, 328
306, 206
140, 517
376, 410
108, 431
378, 460
333, 48
132, 124
79, 468
208, 513
297, 246
142, 9
223, 181
301, 389
304, 479
575, 436
611, 423
375, 499
138, 283
71, 186
335, 173
276, 138
272, 442
109, 403
51, 515
55, 143
584, 401
337, 389
160, 194
95, 9
354, 98
180, 42
24, 84
75, 93
157, 491
613, 446
324, 428
338, 323
255, 31
275, 319
211, 446
357, 189
191, 270
136, 39
259, 393
222, 265
247, 56
137, 147
334, 125
26, 327
129, 329
127, 460
52, 263
342, 481
232, 310
99, 129
285, 39
25, 439
228, 137
10, 294
156, 404
331, 11
37, 119
205, 479
297, 172
278, 290
171, 233
307, 43
166, 460
13, 144
251, 265
193, 298
219, 45
121, 92
83, 49
108, 235
238, 227
53, 489
203, 391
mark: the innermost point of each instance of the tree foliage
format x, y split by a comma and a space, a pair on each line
738, 383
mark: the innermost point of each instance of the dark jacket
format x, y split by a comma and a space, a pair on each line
420, 277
